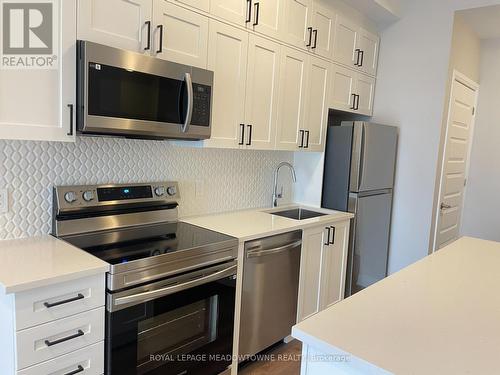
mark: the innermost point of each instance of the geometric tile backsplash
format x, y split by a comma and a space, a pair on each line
210, 180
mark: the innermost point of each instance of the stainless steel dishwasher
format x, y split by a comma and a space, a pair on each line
270, 291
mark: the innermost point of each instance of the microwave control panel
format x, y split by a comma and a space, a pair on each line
202, 95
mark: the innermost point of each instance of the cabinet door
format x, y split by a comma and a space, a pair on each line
293, 80
333, 266
227, 58
346, 37
296, 21
116, 23
267, 17
203, 5
323, 21
39, 104
310, 272
365, 88
183, 35
231, 10
368, 43
262, 93
343, 85
316, 113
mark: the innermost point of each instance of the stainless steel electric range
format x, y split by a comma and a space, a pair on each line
170, 286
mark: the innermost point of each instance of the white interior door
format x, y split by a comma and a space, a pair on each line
227, 58
116, 23
454, 169
180, 35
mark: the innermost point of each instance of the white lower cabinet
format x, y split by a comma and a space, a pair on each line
322, 268
365, 89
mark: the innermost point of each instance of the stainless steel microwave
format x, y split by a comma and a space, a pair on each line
123, 93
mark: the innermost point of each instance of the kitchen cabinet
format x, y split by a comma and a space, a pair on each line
266, 17
180, 35
293, 81
322, 268
227, 58
203, 5
323, 31
261, 104
39, 104
296, 22
116, 23
368, 44
365, 89
236, 11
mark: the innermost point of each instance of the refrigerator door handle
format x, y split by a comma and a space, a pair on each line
361, 157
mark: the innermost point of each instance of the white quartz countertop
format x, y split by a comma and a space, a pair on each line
440, 315
257, 223
40, 261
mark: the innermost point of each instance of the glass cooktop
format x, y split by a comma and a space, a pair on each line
130, 244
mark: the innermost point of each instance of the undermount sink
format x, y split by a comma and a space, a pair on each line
298, 214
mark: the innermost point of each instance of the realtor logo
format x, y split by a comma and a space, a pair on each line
29, 34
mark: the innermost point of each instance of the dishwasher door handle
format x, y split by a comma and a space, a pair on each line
260, 253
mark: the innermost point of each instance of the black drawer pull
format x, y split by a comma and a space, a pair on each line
78, 370
52, 343
49, 305
327, 242
332, 241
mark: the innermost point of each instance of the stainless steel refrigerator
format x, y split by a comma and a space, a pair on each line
360, 161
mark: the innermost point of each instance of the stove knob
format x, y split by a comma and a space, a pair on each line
70, 197
88, 196
171, 190
159, 191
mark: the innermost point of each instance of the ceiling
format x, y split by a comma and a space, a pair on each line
484, 21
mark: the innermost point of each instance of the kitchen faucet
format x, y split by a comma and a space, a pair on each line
277, 195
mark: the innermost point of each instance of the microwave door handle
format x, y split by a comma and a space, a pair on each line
189, 114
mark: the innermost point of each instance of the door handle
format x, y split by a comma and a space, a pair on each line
259, 253
189, 114
310, 29
315, 38
242, 142
249, 11
148, 45
250, 127
327, 242
307, 139
160, 48
332, 241
362, 53
71, 110
357, 102
445, 206
77, 371
353, 101
301, 138
257, 12
358, 54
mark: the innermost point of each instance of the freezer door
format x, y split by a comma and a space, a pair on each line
369, 244
373, 157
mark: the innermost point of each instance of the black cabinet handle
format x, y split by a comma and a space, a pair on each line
52, 343
353, 101
249, 143
358, 54
78, 370
71, 111
301, 138
49, 305
148, 45
315, 38
160, 49
249, 11
332, 241
362, 53
242, 142
357, 102
310, 29
257, 12
328, 236
307, 139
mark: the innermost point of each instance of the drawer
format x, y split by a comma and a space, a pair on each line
58, 301
49, 340
87, 361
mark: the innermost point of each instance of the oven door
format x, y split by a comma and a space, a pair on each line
183, 325
129, 94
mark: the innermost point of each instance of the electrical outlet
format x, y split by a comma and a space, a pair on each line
4, 201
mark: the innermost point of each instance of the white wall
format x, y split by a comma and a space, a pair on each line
481, 217
411, 86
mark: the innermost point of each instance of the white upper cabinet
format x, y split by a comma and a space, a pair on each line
293, 81
323, 31
227, 58
266, 17
180, 35
346, 38
343, 86
316, 110
39, 104
261, 93
368, 45
116, 23
237, 11
203, 5
365, 89
297, 21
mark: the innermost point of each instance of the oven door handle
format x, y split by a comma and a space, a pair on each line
153, 294
189, 114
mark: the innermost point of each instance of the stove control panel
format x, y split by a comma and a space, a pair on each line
73, 197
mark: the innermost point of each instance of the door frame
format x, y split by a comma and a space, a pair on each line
463, 79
